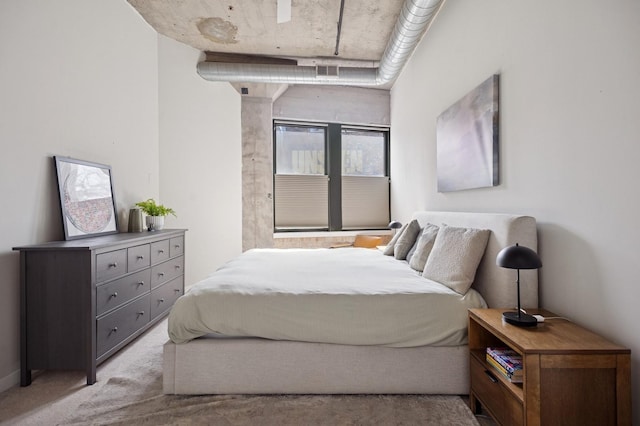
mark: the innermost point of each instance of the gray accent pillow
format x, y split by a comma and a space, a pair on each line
413, 248
388, 250
455, 257
406, 240
423, 247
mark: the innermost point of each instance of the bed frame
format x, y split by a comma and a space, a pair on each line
211, 365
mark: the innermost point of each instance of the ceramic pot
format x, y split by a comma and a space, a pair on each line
155, 223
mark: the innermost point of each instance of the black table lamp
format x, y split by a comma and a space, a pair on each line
518, 257
394, 224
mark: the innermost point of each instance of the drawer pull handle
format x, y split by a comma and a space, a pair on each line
113, 265
114, 330
161, 274
141, 283
161, 300
177, 266
177, 290
161, 251
114, 295
491, 377
140, 257
177, 246
140, 313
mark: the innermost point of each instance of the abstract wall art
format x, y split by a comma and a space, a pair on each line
467, 140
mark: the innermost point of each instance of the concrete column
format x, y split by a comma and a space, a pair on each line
257, 173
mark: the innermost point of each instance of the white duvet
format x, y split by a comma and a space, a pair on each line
348, 296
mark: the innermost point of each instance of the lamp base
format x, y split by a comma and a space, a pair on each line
521, 319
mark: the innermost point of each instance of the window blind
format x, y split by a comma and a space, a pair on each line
365, 202
301, 201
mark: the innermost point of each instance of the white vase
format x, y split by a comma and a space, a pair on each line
155, 223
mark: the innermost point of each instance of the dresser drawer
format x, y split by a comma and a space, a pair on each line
159, 251
116, 293
166, 271
111, 265
163, 297
122, 323
494, 396
176, 246
138, 257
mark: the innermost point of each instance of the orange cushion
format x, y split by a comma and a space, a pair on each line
367, 241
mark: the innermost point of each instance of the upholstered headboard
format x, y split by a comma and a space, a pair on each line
497, 285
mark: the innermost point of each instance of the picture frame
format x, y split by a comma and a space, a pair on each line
87, 202
467, 140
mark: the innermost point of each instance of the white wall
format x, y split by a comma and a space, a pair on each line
570, 90
200, 159
78, 79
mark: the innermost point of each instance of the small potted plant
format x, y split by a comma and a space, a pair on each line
155, 213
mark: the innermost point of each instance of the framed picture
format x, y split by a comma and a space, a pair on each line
467, 140
86, 198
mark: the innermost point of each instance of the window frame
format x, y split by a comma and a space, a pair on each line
333, 170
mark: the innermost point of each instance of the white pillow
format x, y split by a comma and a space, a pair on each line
406, 240
455, 257
423, 247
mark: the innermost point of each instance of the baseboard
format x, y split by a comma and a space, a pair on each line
9, 381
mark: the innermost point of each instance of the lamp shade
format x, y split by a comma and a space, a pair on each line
394, 224
518, 257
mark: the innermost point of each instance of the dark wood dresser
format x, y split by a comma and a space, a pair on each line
83, 300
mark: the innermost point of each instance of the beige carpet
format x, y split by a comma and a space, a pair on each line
129, 391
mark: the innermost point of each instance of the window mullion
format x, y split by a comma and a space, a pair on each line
334, 170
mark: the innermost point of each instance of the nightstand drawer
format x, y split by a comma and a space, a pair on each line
493, 395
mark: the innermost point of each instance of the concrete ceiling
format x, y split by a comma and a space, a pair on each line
249, 27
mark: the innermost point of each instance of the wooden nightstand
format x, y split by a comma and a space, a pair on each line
571, 375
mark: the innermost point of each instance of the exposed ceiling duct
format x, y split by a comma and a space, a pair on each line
414, 19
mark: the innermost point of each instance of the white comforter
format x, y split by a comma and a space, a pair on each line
349, 296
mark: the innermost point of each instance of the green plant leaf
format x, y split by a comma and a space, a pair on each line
150, 208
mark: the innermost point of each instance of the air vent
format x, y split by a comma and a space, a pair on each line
327, 71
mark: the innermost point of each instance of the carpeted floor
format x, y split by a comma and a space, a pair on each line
129, 391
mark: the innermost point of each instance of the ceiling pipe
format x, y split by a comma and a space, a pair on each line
413, 20
339, 32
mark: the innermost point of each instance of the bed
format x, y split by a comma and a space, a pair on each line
392, 332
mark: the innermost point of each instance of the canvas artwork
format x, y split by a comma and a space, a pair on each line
86, 198
467, 140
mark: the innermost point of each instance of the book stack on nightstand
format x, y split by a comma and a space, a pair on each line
507, 362
569, 375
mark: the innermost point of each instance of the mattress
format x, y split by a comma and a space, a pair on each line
352, 296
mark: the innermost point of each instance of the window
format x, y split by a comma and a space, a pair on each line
330, 177
365, 181
301, 184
